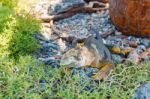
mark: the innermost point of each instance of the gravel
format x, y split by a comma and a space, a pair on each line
80, 24
117, 58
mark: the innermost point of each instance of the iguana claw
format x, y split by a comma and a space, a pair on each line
100, 75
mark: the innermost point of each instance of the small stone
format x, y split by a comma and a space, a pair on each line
46, 33
141, 48
52, 45
145, 55
85, 72
116, 50
133, 44
138, 40
143, 92
117, 58
40, 37
146, 43
133, 57
118, 33
46, 59
62, 45
130, 38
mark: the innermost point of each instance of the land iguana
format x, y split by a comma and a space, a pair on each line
90, 53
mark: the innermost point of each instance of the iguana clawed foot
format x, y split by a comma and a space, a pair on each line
100, 75
104, 72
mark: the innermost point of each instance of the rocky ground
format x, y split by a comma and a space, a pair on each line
79, 26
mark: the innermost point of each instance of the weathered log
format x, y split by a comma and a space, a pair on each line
55, 17
132, 17
103, 1
70, 13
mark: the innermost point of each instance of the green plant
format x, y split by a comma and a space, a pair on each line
30, 79
23, 41
17, 33
17, 77
9, 3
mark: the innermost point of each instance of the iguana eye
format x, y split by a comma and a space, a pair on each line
76, 57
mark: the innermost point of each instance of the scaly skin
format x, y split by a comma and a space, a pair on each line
92, 53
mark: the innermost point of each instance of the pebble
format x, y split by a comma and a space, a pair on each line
141, 48
85, 72
133, 44
133, 57
118, 33
117, 58
143, 92
146, 43
52, 45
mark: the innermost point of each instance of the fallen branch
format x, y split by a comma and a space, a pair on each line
106, 34
71, 13
82, 6
102, 1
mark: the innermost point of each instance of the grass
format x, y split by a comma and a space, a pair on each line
17, 33
22, 76
30, 79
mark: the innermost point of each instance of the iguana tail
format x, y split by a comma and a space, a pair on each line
96, 33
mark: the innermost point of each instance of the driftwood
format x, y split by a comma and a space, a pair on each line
70, 13
103, 1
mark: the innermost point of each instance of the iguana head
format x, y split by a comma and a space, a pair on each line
76, 57
72, 58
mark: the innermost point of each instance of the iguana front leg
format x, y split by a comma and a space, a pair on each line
105, 68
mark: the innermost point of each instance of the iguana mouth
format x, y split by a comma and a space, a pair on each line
71, 65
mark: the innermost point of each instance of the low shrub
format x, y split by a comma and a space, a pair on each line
30, 79
9, 3
17, 33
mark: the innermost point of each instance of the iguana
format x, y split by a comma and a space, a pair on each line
91, 53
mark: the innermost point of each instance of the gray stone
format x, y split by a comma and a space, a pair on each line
84, 72
143, 92
146, 43
117, 58
141, 48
